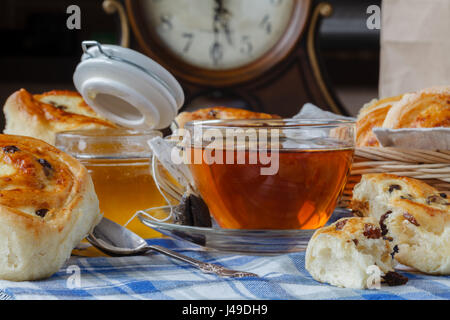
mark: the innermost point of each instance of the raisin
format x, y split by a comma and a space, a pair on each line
407, 197
411, 219
371, 231
212, 113
58, 106
393, 187
355, 241
10, 149
394, 279
443, 195
431, 199
46, 165
340, 224
394, 251
384, 229
41, 212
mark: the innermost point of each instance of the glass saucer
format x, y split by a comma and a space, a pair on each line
235, 240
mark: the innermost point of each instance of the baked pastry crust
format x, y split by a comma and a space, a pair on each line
427, 108
370, 116
421, 233
43, 115
342, 253
415, 215
215, 113
372, 194
47, 206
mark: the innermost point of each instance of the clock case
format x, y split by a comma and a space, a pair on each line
290, 74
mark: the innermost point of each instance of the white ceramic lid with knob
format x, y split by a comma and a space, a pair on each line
126, 87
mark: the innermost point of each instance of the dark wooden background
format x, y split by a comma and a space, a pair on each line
39, 53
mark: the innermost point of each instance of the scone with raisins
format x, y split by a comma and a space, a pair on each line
345, 253
47, 206
414, 215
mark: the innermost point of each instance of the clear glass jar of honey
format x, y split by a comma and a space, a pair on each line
134, 92
119, 162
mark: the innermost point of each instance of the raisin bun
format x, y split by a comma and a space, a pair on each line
47, 206
420, 233
343, 253
372, 194
43, 115
216, 113
427, 108
370, 116
414, 215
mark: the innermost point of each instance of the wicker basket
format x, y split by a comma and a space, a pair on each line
432, 167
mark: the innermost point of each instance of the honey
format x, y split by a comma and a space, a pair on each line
119, 162
123, 187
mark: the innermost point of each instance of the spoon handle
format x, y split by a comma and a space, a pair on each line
203, 266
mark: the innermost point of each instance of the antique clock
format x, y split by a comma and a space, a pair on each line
253, 54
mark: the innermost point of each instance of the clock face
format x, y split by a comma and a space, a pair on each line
219, 34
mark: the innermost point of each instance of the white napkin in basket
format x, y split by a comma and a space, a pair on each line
414, 138
417, 138
310, 111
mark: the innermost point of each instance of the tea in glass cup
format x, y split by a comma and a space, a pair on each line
270, 174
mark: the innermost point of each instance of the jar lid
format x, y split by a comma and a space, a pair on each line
127, 87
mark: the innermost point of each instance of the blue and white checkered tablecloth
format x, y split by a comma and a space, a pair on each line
155, 276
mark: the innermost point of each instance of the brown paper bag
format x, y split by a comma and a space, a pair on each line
415, 45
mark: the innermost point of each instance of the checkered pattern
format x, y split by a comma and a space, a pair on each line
155, 276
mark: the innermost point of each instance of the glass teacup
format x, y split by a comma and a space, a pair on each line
270, 174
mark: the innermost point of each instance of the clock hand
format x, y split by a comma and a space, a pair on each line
218, 4
221, 17
215, 48
227, 31
220, 21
